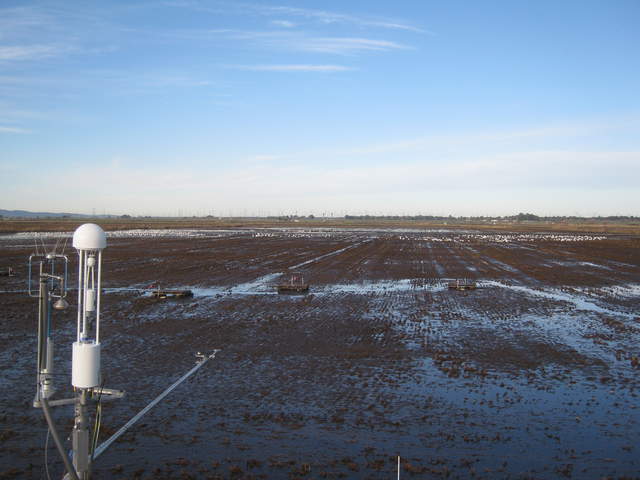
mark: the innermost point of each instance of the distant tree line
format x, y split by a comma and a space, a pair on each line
398, 217
289, 218
520, 217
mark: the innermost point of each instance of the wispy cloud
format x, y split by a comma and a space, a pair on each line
31, 52
536, 169
130, 188
283, 23
399, 26
11, 117
57, 29
292, 68
171, 81
297, 41
18, 20
553, 154
319, 16
142, 82
14, 130
346, 45
481, 140
273, 185
328, 17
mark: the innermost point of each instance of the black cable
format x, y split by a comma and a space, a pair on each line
98, 421
46, 454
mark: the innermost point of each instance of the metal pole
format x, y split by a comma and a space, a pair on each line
48, 339
44, 387
80, 303
98, 294
80, 437
42, 305
56, 439
84, 333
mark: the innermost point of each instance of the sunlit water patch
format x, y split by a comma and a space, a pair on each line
579, 302
380, 287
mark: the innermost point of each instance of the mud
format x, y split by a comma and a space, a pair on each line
532, 375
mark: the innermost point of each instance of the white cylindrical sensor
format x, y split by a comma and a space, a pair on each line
90, 300
85, 367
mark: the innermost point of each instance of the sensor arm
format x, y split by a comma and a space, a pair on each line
107, 443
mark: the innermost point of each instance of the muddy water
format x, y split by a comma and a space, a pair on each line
532, 375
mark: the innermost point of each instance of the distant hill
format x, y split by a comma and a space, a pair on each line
27, 214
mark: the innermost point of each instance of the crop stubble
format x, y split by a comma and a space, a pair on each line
533, 375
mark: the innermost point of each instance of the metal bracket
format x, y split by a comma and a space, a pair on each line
106, 394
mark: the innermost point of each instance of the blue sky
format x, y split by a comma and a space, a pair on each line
231, 108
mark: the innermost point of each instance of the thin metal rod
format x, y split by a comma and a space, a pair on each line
153, 403
59, 402
98, 297
42, 313
80, 305
80, 436
29, 284
56, 439
63, 291
87, 269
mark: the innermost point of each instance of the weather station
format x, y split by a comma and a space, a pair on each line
89, 240
52, 284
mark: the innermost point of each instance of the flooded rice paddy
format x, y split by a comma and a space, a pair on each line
533, 375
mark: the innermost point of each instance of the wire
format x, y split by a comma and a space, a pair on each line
96, 429
98, 421
44, 247
46, 454
64, 245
